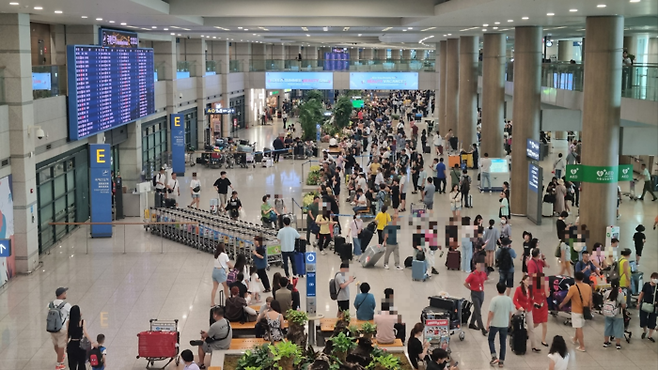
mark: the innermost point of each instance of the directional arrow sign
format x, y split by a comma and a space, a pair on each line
5, 248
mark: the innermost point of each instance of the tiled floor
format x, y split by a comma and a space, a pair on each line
118, 293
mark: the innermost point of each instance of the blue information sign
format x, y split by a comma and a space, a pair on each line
177, 143
311, 261
533, 177
532, 149
101, 189
5, 248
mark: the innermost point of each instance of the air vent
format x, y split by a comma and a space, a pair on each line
49, 146
4, 163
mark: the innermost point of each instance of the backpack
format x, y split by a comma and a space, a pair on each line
96, 357
610, 308
55, 318
466, 184
333, 290
232, 276
505, 262
155, 179
613, 274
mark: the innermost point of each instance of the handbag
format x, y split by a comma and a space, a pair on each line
197, 189
587, 313
558, 250
85, 344
420, 256
650, 307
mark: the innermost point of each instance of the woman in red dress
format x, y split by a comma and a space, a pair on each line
540, 291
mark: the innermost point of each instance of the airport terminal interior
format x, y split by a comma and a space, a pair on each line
98, 100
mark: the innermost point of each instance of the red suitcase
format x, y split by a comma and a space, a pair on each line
158, 344
453, 260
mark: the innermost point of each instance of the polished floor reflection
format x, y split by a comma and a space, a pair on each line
118, 293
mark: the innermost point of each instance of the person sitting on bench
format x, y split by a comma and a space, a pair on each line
218, 337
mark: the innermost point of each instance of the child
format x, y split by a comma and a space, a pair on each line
254, 284
97, 355
188, 358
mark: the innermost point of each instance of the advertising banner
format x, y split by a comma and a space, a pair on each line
118, 38
599, 174
101, 189
384, 80
177, 123
7, 258
299, 80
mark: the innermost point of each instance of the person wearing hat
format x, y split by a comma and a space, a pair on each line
639, 238
505, 261
625, 274
60, 338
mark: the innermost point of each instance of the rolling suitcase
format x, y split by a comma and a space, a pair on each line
418, 270
170, 203
366, 235
159, 200
453, 260
547, 209
519, 337
300, 245
372, 255
426, 149
344, 250
158, 344
637, 282
222, 304
300, 263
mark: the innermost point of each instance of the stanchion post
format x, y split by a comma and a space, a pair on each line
124, 239
162, 245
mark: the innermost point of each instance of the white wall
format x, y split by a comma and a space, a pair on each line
213, 86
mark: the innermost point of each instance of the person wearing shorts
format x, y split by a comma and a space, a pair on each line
195, 184
578, 290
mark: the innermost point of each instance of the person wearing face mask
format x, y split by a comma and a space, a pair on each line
648, 301
505, 228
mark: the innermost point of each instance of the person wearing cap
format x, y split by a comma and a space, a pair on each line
160, 180
505, 256
625, 274
60, 338
639, 239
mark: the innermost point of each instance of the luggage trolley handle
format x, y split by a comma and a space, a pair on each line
163, 325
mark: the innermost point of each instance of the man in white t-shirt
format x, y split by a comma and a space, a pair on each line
59, 339
173, 188
195, 190
361, 183
160, 180
485, 170
361, 202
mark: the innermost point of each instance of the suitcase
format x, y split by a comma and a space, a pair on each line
344, 250
408, 262
300, 263
258, 157
159, 199
453, 260
170, 203
519, 336
372, 255
426, 149
338, 242
453, 160
454, 142
469, 201
222, 303
158, 344
559, 283
418, 270
366, 236
547, 209
637, 282
300, 245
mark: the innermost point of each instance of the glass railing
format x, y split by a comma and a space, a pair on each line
637, 81
371, 65
213, 67
185, 69
235, 66
2, 86
48, 81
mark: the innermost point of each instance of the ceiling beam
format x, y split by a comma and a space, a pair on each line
306, 21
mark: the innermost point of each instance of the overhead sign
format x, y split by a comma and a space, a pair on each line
384, 80
101, 189
299, 80
117, 38
5, 248
220, 110
599, 174
532, 149
177, 123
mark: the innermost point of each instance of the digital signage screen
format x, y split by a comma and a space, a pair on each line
108, 87
384, 80
499, 165
532, 149
41, 81
299, 80
117, 38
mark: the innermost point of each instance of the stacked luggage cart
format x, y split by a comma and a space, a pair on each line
212, 229
443, 318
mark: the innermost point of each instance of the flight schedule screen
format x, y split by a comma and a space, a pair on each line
108, 87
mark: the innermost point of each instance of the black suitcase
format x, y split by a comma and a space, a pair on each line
221, 304
519, 336
426, 149
159, 199
366, 235
300, 245
170, 203
344, 251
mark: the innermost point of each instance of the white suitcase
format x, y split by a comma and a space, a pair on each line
547, 209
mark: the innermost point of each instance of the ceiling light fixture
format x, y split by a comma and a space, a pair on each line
359, 35
573, 10
525, 18
307, 35
214, 37
386, 29
410, 28
345, 29
14, 4
484, 30
154, 27
99, 19
222, 28
635, 1
166, 29
404, 30
38, 8
495, 28
485, 25
550, 14
304, 28
58, 12
427, 29
496, 22
173, 34
445, 35
84, 17
239, 28
111, 21
601, 6
123, 23
178, 34
510, 20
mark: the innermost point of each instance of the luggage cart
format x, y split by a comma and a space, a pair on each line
631, 193
214, 206
273, 253
160, 342
418, 209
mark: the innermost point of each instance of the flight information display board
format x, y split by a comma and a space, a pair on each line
108, 87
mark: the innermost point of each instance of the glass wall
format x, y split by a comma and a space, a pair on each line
238, 104
155, 149
191, 128
62, 193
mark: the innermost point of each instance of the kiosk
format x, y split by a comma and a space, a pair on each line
499, 173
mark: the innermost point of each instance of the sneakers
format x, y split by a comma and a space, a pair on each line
324, 253
485, 333
385, 267
493, 361
434, 271
399, 267
618, 346
60, 366
606, 344
473, 326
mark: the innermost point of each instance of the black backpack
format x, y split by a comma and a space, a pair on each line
466, 184
95, 357
333, 289
155, 180
505, 262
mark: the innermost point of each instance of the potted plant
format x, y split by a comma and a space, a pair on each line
384, 362
341, 344
354, 330
313, 175
259, 357
286, 355
296, 322
368, 329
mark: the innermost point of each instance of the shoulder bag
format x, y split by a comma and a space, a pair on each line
650, 307
587, 312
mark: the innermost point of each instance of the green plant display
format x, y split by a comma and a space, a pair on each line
308, 199
342, 343
368, 328
313, 176
342, 112
313, 94
354, 330
385, 362
258, 357
345, 316
395, 117
286, 354
297, 317
310, 114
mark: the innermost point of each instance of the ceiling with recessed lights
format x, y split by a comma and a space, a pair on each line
362, 23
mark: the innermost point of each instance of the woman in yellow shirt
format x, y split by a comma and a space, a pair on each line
323, 220
382, 219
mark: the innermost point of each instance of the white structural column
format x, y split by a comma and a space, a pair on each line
443, 50
468, 87
493, 94
15, 55
564, 50
258, 56
452, 87
196, 54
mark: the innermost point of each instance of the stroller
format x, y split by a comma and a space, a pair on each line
558, 288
